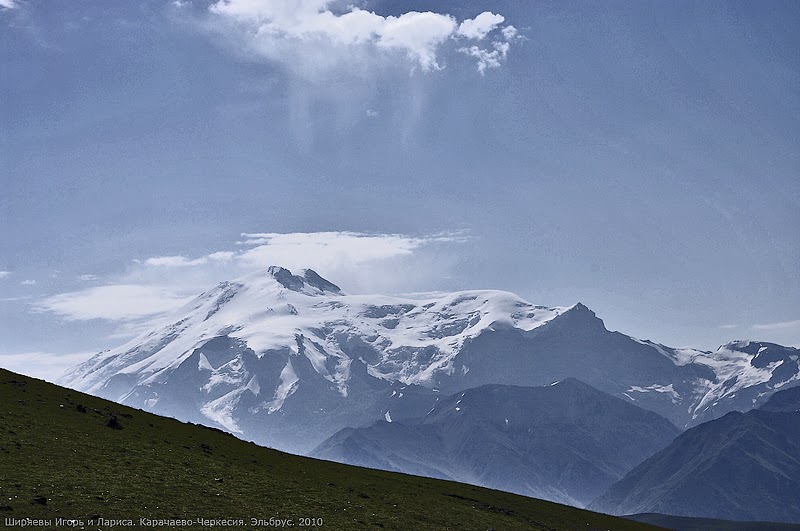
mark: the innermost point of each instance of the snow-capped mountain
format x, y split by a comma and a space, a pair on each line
287, 360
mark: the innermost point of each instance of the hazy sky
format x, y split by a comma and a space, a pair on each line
640, 157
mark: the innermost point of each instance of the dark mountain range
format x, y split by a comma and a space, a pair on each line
787, 401
565, 442
743, 466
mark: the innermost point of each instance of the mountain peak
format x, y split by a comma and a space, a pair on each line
581, 314
314, 279
581, 309
308, 278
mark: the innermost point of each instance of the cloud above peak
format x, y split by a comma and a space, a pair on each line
310, 36
359, 262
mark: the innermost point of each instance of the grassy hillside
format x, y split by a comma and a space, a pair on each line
70, 455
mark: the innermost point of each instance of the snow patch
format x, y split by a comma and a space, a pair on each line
203, 364
734, 371
678, 356
221, 411
668, 389
253, 386
285, 389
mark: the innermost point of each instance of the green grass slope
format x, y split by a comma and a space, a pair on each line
64, 454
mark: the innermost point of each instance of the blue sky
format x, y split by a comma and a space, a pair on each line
639, 157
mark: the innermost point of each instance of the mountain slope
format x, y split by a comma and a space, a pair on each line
743, 466
70, 455
287, 360
566, 442
786, 401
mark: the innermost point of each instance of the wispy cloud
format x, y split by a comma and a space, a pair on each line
120, 302
781, 325
728, 326
8, 4
28, 282
45, 365
335, 247
4, 274
488, 58
182, 261
314, 36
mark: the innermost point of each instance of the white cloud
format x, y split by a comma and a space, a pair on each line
28, 283
4, 274
45, 365
359, 262
324, 247
510, 32
88, 278
326, 238
309, 37
119, 302
222, 256
418, 34
728, 326
492, 57
488, 58
174, 261
182, 261
350, 258
480, 26
8, 4
782, 325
